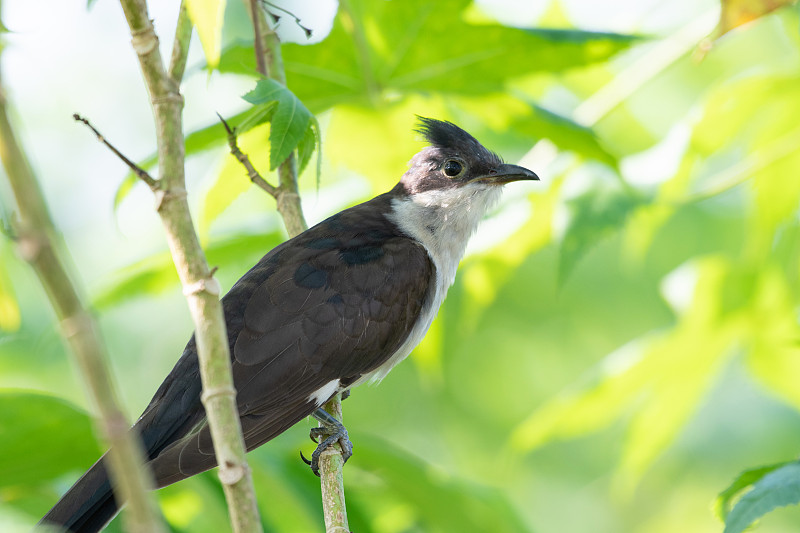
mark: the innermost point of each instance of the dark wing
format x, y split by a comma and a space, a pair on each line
334, 303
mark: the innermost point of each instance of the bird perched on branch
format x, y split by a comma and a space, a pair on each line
336, 306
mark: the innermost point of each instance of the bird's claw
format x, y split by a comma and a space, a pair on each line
331, 436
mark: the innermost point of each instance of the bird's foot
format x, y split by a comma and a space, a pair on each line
329, 433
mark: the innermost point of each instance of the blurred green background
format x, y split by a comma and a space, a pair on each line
622, 339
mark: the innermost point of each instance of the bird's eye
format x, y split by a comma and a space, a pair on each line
452, 168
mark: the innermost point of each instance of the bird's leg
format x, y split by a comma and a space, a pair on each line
332, 430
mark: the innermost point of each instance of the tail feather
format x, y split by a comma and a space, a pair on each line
87, 506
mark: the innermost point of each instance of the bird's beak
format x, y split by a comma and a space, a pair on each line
507, 173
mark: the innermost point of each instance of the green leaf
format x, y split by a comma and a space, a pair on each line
774, 355
289, 121
758, 143
376, 48
722, 507
239, 58
503, 113
62, 434
305, 148
595, 215
126, 186
207, 17
257, 115
564, 133
660, 379
778, 488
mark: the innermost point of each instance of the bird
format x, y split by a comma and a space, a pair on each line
334, 307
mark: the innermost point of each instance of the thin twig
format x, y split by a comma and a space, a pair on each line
276, 18
139, 171
252, 173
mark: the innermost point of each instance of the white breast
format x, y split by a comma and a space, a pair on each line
442, 221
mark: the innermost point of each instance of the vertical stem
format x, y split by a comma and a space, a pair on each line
180, 46
270, 65
331, 469
259, 24
288, 200
290, 209
39, 243
199, 286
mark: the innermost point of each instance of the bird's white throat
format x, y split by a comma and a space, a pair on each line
442, 221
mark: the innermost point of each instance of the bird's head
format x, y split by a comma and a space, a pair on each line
455, 161
447, 190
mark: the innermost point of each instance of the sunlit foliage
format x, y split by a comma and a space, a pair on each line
622, 340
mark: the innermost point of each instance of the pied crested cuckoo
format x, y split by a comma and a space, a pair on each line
336, 306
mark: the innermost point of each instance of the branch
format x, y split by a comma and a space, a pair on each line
180, 46
39, 244
252, 173
139, 171
276, 18
291, 211
331, 472
199, 286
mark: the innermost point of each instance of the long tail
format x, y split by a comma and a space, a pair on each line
87, 506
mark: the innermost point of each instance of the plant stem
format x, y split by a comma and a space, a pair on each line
291, 211
199, 286
331, 472
40, 244
180, 46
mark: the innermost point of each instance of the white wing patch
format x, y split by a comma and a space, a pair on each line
323, 394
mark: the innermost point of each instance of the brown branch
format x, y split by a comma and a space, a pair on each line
199, 286
275, 18
139, 171
38, 242
252, 173
255, 15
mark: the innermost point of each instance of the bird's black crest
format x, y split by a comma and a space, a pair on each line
443, 134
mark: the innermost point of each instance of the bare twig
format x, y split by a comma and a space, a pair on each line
199, 286
139, 171
39, 244
276, 18
252, 173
